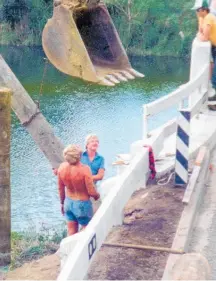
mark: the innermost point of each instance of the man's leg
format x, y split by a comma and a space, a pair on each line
214, 75
72, 227
83, 227
213, 79
212, 99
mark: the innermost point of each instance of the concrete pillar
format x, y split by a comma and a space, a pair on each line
200, 56
5, 201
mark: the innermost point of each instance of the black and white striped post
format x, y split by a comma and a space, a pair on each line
182, 148
200, 55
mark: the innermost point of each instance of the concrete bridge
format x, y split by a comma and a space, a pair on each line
174, 143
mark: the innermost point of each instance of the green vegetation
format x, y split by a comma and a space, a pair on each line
152, 27
147, 27
22, 21
30, 245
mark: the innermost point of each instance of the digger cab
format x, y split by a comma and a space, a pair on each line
81, 40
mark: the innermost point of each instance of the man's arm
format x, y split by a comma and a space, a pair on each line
90, 184
205, 33
200, 24
99, 176
61, 188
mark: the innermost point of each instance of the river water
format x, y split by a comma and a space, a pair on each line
75, 108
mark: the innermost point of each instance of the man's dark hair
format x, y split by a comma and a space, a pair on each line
204, 9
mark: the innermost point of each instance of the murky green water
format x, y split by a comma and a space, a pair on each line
75, 108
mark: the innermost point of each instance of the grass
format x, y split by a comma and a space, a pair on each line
30, 245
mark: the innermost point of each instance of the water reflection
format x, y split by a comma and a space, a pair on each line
75, 108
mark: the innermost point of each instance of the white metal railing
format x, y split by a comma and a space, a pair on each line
183, 135
195, 92
195, 88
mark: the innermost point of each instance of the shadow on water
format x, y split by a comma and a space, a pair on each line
75, 108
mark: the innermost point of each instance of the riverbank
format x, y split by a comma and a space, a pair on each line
30, 245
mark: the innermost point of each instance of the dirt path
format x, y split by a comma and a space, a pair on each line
151, 218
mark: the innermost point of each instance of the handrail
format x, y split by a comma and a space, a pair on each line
176, 97
183, 92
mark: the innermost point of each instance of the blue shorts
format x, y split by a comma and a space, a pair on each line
78, 211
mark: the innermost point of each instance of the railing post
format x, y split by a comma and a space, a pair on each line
5, 202
182, 148
145, 122
200, 56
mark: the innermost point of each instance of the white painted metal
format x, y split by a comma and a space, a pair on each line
183, 148
145, 122
178, 95
192, 91
185, 125
181, 164
181, 171
200, 55
198, 104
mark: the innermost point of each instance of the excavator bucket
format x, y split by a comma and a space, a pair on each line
81, 40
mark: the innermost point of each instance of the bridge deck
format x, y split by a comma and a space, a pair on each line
145, 223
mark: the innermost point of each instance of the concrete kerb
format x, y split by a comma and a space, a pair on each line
186, 223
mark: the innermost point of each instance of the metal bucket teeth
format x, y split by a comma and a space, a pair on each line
135, 73
120, 77
106, 82
83, 34
127, 75
112, 79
